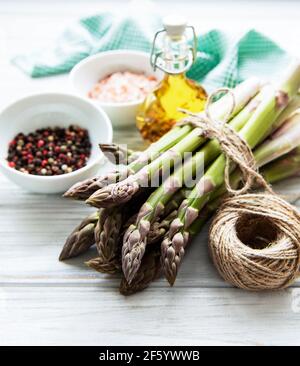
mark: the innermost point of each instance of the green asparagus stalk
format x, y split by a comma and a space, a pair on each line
282, 141
135, 239
83, 190
286, 138
81, 239
253, 132
293, 105
285, 167
119, 154
124, 190
161, 225
282, 168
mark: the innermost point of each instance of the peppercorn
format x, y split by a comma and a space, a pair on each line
40, 143
50, 151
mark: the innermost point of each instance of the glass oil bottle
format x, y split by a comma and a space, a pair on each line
159, 111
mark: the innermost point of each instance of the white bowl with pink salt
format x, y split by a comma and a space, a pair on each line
118, 81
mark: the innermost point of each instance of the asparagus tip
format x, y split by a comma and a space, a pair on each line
67, 194
114, 194
101, 265
100, 199
170, 272
172, 250
133, 250
62, 256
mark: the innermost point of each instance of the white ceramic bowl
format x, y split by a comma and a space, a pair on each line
50, 110
94, 68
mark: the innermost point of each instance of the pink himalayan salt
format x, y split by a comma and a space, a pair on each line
123, 87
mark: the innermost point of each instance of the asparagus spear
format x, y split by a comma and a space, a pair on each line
119, 154
286, 137
148, 213
162, 223
284, 167
293, 105
256, 128
149, 270
83, 190
107, 237
124, 190
135, 239
107, 233
159, 228
81, 239
284, 140
99, 264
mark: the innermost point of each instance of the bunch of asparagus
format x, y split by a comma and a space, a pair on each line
143, 231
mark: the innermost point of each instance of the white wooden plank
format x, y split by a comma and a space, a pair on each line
54, 315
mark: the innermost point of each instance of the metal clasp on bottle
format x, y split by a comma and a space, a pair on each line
158, 62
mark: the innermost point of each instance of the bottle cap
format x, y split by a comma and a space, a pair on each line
174, 25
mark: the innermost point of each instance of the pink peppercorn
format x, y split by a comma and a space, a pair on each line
50, 151
12, 143
41, 143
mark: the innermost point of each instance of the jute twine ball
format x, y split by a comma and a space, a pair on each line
254, 241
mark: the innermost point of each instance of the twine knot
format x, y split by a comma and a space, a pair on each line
234, 147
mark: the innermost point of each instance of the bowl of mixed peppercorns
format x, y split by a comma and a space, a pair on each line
50, 141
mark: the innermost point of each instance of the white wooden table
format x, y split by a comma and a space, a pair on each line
45, 302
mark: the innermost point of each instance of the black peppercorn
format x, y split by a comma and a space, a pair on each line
50, 151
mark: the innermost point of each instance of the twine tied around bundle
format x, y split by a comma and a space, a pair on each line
254, 238
234, 147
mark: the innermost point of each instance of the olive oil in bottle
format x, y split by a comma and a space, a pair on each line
160, 111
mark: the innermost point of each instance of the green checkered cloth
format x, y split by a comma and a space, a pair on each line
223, 59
